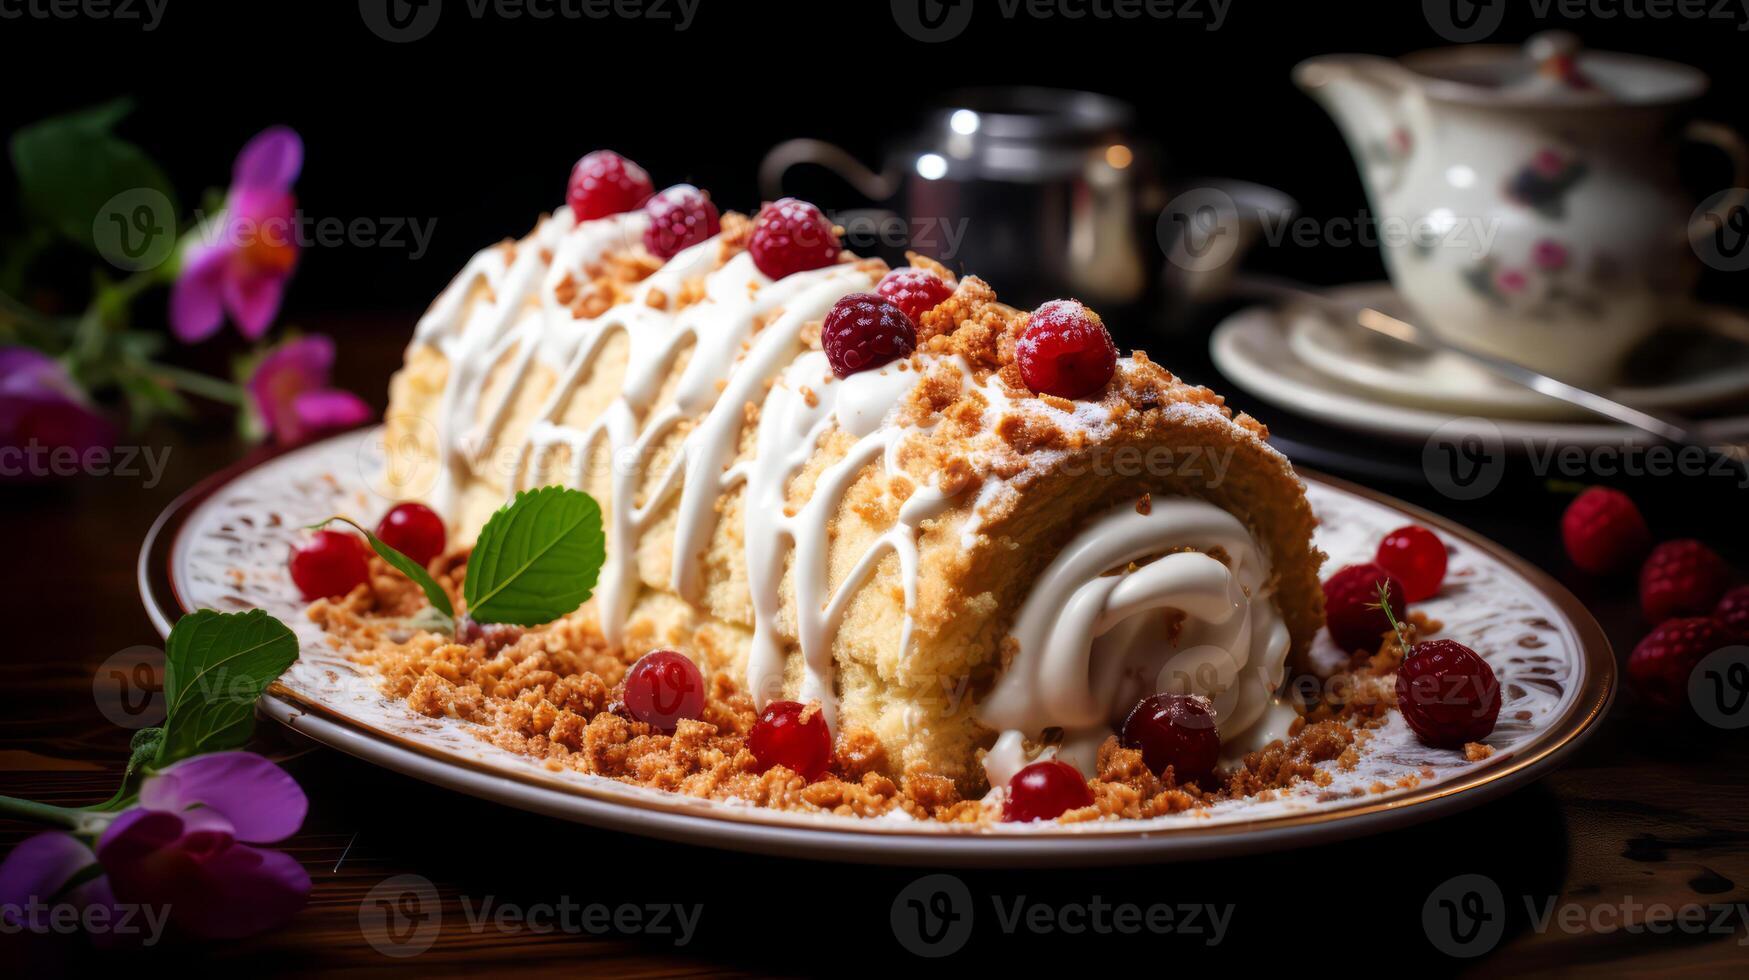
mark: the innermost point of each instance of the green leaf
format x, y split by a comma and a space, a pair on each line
215, 666
434, 593
70, 167
536, 559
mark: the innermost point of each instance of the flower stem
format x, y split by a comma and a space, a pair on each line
43, 812
195, 383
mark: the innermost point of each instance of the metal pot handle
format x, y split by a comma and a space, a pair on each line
789, 153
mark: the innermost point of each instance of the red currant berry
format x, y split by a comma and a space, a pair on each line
916, 291
414, 530
1066, 350
604, 183
863, 332
792, 236
662, 688
1351, 607
1448, 694
1416, 557
1045, 791
793, 735
330, 563
1176, 730
680, 217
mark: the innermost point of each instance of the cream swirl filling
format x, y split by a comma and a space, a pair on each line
1094, 636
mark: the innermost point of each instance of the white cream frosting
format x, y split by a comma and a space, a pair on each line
746, 338
801, 408
1093, 635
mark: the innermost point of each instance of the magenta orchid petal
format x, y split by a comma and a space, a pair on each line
97, 893
329, 409
273, 158
240, 260
41, 405
136, 832
37, 870
291, 368
261, 226
191, 864
25, 371
260, 801
252, 301
291, 394
196, 310
245, 890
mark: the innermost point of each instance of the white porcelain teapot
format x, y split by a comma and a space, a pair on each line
1528, 199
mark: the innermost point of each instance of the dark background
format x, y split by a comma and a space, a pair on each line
476, 127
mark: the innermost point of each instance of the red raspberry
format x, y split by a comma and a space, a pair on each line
330, 563
793, 735
1416, 557
414, 530
1176, 730
1066, 350
1681, 578
1732, 612
864, 331
680, 217
662, 688
1045, 791
1448, 694
916, 291
1660, 665
792, 236
1351, 599
604, 183
1604, 531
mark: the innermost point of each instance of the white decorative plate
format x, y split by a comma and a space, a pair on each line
1257, 351
224, 545
1697, 370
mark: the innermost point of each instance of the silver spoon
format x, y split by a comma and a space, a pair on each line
1665, 425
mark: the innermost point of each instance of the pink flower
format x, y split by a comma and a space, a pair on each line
1549, 254
291, 395
178, 852
43, 410
1511, 280
238, 262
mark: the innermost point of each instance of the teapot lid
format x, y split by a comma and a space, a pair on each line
1551, 69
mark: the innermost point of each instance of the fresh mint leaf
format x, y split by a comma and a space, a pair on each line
536, 559
71, 167
215, 666
434, 593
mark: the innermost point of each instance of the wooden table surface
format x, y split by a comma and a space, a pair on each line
1647, 813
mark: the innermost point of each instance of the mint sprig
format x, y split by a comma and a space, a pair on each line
215, 666
434, 593
537, 559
